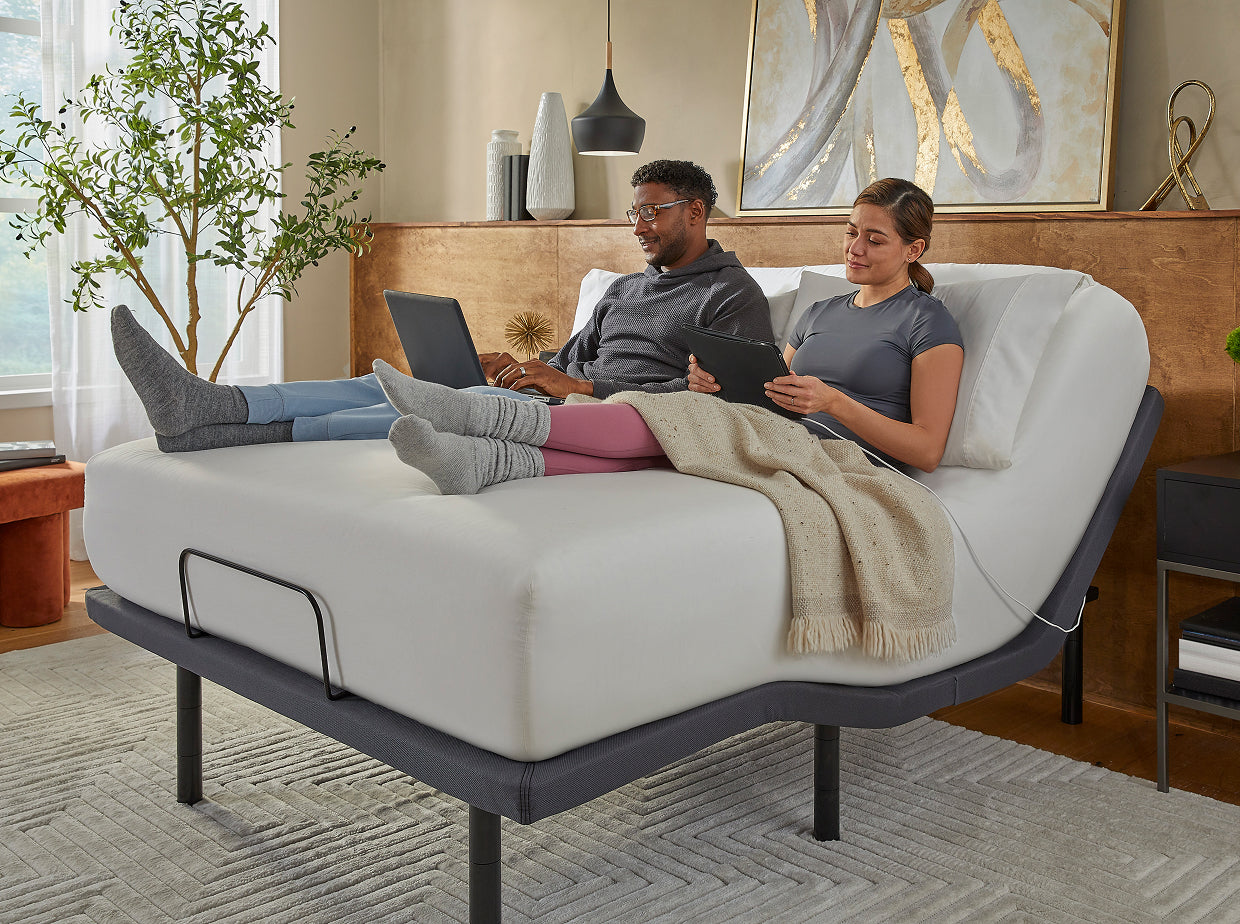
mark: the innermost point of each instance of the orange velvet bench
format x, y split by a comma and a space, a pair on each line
34, 541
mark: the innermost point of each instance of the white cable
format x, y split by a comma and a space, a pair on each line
968, 545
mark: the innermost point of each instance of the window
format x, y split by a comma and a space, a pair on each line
25, 327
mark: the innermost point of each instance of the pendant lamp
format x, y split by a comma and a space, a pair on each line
608, 127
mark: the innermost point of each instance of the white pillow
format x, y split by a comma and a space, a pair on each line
593, 286
1005, 325
779, 285
944, 273
814, 288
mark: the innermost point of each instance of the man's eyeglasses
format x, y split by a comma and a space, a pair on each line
651, 212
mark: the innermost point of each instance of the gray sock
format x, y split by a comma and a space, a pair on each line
462, 464
175, 400
466, 413
217, 436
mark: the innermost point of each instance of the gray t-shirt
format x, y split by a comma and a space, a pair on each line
867, 353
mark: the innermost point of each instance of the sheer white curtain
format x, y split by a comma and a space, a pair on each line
93, 405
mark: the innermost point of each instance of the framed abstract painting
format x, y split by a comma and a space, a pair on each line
987, 106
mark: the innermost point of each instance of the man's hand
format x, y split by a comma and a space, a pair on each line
506, 372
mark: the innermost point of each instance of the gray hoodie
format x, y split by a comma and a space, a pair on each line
634, 341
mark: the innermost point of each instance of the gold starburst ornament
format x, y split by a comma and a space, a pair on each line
530, 332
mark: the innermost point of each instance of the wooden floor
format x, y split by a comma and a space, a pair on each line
1119, 739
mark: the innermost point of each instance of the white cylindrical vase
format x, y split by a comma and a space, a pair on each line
503, 142
549, 189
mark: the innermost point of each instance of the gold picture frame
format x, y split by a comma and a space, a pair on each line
987, 108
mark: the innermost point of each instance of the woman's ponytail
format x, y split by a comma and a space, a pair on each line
921, 277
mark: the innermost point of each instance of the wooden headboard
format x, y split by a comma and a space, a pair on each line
1179, 269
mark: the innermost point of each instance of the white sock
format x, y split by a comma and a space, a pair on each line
453, 411
462, 464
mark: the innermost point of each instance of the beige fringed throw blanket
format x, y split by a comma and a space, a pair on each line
870, 554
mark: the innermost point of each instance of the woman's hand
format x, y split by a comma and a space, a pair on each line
699, 379
804, 394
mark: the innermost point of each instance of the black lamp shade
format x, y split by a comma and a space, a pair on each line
608, 126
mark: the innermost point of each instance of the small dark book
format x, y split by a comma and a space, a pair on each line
741, 366
1219, 625
12, 465
1207, 683
516, 170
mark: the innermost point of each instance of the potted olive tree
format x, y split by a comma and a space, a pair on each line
189, 116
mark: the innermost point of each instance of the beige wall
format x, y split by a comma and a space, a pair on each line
328, 62
1165, 44
27, 423
452, 71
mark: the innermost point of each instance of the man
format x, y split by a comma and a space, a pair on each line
634, 340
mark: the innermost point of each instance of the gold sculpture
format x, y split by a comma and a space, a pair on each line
529, 332
1178, 157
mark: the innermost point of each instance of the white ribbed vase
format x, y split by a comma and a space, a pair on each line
503, 142
549, 189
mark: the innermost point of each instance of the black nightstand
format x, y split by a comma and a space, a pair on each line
1198, 533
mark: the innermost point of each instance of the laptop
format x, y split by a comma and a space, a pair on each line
437, 342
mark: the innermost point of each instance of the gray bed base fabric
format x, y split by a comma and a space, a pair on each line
529, 791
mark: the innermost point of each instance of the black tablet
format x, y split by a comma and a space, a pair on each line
741, 366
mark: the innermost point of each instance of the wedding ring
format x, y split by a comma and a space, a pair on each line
522, 370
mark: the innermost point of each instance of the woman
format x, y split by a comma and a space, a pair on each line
880, 366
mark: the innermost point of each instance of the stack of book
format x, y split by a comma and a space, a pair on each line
28, 453
516, 171
1210, 651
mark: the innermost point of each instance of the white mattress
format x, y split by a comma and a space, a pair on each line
544, 614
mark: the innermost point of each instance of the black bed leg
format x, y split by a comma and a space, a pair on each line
1072, 681
827, 782
485, 901
1072, 695
189, 736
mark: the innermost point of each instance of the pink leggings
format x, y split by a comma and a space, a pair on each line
592, 438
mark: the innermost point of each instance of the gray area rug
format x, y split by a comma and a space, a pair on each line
939, 824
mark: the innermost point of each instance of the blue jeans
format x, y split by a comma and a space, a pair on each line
337, 409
